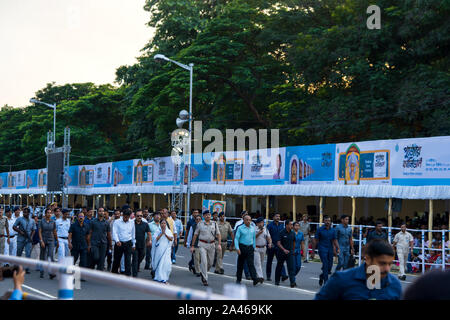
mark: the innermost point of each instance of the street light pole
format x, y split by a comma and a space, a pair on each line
54, 117
188, 191
190, 68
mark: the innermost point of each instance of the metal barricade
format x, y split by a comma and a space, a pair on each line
67, 275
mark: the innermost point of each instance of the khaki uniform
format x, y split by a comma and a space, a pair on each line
261, 242
206, 234
3, 235
305, 228
225, 230
403, 240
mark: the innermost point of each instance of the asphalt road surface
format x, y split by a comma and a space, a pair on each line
307, 282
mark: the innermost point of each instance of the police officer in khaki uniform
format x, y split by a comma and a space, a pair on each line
4, 231
404, 243
305, 228
262, 239
225, 230
207, 231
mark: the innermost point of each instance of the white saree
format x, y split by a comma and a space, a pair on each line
161, 256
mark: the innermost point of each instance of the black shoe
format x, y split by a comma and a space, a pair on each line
268, 279
320, 282
205, 283
293, 285
83, 280
52, 276
255, 282
152, 273
261, 280
248, 278
198, 274
238, 281
222, 271
284, 278
217, 272
147, 268
306, 261
277, 283
41, 276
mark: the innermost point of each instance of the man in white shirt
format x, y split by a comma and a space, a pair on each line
125, 242
11, 247
62, 230
262, 240
403, 242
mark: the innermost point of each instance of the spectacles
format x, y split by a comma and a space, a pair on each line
139, 216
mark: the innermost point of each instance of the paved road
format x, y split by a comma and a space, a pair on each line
307, 281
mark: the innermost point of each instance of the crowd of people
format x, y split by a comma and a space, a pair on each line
119, 243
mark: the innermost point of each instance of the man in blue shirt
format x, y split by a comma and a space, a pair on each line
274, 228
245, 243
362, 283
327, 243
345, 241
299, 248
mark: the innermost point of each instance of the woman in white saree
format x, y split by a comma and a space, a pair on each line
162, 248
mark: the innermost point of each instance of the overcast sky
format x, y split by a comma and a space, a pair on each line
66, 41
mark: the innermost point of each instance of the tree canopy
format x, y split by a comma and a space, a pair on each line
309, 68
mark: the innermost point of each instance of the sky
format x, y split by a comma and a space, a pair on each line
66, 41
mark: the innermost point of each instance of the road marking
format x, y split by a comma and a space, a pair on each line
228, 264
314, 278
40, 292
178, 256
250, 281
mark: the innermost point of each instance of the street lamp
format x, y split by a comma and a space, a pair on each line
190, 68
54, 116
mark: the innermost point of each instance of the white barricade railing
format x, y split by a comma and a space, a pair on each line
67, 273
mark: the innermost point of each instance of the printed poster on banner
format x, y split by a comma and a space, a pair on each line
86, 176
201, 170
421, 161
227, 167
103, 175
32, 177
143, 171
42, 178
17, 179
165, 170
122, 173
3, 180
214, 206
364, 162
310, 164
265, 166
71, 177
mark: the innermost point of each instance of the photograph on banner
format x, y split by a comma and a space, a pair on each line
214, 206
310, 164
265, 166
165, 170
421, 161
365, 162
21, 179
42, 178
32, 177
3, 180
143, 171
103, 175
227, 167
86, 176
122, 172
71, 177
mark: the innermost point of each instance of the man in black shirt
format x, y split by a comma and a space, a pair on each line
286, 244
99, 240
78, 234
142, 231
378, 233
